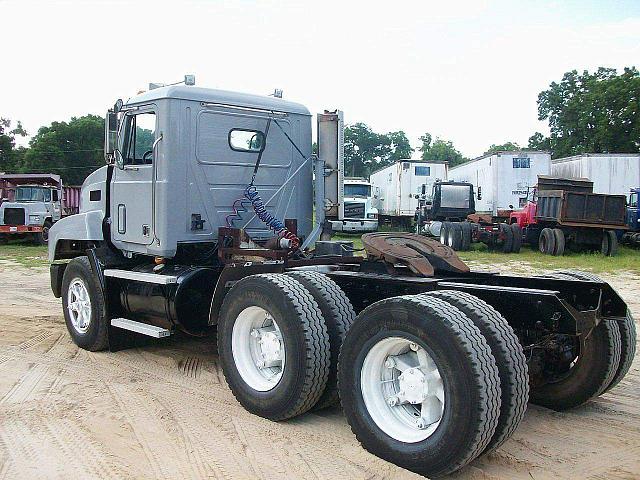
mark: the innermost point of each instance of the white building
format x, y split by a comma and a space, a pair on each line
501, 179
613, 173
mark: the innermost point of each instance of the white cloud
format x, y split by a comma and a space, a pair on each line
467, 71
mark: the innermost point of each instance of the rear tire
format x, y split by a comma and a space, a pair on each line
510, 359
612, 249
516, 231
301, 376
444, 233
559, 239
455, 236
466, 236
507, 233
547, 241
594, 370
338, 315
470, 385
627, 327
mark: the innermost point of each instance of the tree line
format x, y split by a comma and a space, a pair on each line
587, 112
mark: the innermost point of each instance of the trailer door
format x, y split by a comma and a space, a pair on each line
132, 185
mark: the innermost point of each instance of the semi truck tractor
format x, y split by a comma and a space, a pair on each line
358, 213
201, 222
33, 203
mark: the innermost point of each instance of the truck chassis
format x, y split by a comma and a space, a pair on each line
401, 349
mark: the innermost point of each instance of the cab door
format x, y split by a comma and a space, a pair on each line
132, 184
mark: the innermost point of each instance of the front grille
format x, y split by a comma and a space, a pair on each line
14, 216
353, 210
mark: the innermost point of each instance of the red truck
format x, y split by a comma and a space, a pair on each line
31, 203
565, 213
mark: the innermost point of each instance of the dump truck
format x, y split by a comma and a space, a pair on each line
32, 202
632, 236
200, 223
565, 213
449, 213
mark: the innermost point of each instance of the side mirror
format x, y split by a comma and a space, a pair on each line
110, 135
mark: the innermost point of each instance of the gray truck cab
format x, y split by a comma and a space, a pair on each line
181, 159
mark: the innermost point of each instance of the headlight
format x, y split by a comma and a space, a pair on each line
34, 218
372, 215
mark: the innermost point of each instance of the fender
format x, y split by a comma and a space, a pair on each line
82, 226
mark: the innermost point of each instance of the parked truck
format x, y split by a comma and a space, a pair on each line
565, 213
632, 236
358, 213
33, 203
206, 220
400, 186
449, 213
501, 179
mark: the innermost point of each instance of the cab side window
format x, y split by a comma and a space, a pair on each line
633, 200
139, 135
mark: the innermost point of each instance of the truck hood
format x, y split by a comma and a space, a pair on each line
30, 208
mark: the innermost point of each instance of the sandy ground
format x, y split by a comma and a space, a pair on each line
164, 411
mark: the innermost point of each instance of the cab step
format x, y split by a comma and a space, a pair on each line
139, 327
141, 276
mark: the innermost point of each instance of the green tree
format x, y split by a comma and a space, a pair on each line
440, 150
366, 150
10, 156
592, 112
72, 149
505, 147
538, 141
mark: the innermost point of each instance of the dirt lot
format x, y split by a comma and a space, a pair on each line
164, 411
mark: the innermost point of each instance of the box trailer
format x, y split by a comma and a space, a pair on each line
502, 179
613, 173
399, 187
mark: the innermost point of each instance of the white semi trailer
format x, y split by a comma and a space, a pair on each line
400, 185
202, 217
612, 173
502, 179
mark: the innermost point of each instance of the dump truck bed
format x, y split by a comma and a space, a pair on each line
579, 208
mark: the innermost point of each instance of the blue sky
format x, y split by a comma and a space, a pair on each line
467, 71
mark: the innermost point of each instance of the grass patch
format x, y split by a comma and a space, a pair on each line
627, 259
24, 254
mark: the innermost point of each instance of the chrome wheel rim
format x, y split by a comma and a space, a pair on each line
79, 305
258, 348
402, 389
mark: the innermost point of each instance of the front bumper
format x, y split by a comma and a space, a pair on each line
354, 225
16, 229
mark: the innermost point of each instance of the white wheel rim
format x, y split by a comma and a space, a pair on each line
258, 348
79, 305
402, 389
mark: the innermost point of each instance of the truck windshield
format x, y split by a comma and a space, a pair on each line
33, 194
455, 196
357, 190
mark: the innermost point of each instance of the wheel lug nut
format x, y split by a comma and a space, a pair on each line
413, 346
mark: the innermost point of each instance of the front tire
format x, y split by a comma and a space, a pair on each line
42, 238
273, 345
83, 306
433, 344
